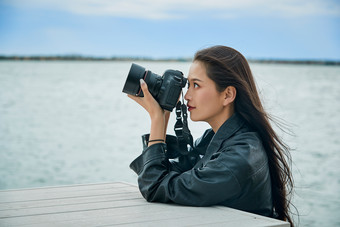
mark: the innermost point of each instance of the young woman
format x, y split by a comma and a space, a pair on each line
240, 162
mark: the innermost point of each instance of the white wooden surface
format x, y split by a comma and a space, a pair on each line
110, 204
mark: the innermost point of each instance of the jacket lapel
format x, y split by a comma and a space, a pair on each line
229, 128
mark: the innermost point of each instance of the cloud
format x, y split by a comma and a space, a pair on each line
176, 9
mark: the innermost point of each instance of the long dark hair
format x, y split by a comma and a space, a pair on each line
227, 67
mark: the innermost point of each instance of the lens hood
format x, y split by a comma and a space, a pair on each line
132, 84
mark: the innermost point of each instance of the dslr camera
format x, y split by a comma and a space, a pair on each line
165, 89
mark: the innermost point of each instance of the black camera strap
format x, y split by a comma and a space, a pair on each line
182, 131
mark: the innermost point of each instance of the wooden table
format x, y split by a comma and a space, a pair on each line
109, 204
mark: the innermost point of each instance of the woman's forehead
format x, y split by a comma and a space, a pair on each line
197, 71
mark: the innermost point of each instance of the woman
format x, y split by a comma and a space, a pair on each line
239, 162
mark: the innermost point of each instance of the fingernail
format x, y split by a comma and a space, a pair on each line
142, 81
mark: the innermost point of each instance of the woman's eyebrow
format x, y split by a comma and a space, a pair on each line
194, 79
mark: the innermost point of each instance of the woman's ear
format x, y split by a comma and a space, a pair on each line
229, 95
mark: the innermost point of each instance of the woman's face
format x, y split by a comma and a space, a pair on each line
204, 102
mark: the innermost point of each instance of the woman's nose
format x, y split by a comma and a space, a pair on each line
187, 95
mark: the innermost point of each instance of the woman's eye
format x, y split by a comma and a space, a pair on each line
195, 85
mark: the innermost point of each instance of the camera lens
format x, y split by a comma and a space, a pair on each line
132, 84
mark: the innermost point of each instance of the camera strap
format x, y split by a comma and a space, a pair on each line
182, 131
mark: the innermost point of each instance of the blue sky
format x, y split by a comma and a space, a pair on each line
280, 29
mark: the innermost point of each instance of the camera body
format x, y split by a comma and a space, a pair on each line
165, 89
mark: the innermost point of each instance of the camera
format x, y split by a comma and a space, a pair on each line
165, 89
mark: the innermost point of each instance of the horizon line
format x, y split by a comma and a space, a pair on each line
77, 57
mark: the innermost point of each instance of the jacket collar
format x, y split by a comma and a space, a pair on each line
227, 129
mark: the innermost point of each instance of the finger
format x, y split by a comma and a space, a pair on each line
136, 99
144, 87
132, 97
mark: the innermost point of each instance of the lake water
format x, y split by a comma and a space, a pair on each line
69, 123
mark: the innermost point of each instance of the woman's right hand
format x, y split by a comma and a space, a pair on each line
159, 117
148, 102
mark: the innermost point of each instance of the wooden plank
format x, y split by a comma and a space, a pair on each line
68, 201
75, 187
67, 188
99, 214
111, 204
58, 193
69, 208
152, 215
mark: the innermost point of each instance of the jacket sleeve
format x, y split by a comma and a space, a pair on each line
180, 160
173, 149
204, 186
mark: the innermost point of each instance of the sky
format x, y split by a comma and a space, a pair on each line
260, 29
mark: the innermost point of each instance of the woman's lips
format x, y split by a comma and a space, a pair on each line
190, 108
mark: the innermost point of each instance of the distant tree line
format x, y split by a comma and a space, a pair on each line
305, 62
85, 58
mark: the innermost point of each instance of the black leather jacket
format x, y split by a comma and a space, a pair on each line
228, 168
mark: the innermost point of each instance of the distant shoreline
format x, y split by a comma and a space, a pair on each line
84, 58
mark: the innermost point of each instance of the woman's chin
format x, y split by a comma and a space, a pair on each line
193, 118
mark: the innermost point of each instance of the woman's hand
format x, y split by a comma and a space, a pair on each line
148, 102
159, 117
